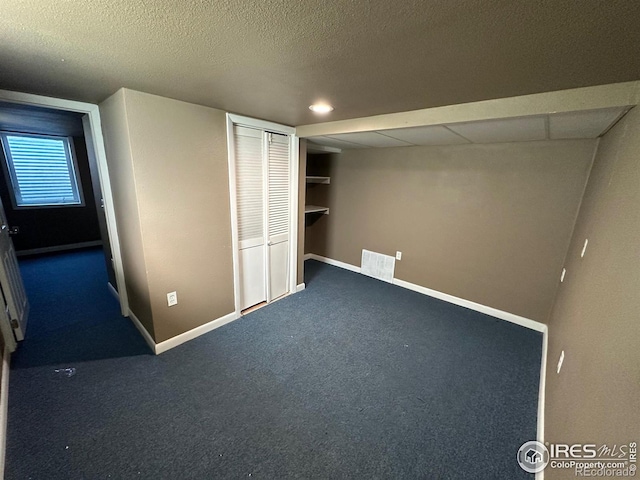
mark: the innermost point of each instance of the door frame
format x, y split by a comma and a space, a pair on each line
93, 134
294, 143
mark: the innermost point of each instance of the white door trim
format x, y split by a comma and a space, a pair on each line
294, 149
233, 202
4, 407
260, 124
266, 270
294, 154
93, 132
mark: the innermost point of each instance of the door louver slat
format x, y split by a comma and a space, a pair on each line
278, 185
249, 184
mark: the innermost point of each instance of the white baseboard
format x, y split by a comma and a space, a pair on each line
113, 291
541, 392
494, 312
162, 347
59, 248
143, 331
4, 407
300, 287
331, 261
307, 256
196, 332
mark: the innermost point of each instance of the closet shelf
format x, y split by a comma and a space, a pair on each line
316, 209
313, 179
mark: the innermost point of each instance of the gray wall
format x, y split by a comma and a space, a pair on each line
487, 223
170, 181
596, 317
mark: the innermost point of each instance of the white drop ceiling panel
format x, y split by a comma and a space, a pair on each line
433, 135
334, 142
313, 147
522, 129
370, 139
555, 126
588, 124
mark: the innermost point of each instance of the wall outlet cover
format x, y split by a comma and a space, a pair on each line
172, 299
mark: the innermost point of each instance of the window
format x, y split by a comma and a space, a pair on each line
41, 169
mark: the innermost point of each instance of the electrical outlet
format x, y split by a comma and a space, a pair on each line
172, 298
560, 361
398, 255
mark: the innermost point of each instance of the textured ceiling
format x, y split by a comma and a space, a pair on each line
272, 58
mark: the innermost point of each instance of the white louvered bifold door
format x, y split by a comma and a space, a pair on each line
278, 211
250, 193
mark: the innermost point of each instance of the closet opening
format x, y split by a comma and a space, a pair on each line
263, 180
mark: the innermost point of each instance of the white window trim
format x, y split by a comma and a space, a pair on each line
294, 143
93, 134
12, 181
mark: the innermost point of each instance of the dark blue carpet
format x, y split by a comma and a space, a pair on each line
351, 378
74, 317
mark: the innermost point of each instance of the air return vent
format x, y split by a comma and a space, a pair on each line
378, 266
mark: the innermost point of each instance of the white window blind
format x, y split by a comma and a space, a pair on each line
249, 183
278, 184
41, 169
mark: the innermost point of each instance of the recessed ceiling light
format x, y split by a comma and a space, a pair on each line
321, 108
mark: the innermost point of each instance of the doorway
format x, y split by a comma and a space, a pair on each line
91, 191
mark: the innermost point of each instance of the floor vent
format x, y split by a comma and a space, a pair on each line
378, 266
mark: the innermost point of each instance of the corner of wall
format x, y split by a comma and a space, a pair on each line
179, 163
302, 184
117, 141
594, 318
547, 318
